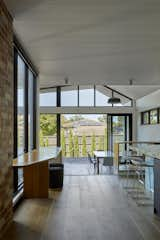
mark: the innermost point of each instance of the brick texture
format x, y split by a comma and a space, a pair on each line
6, 117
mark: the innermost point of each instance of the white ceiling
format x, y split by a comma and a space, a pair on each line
136, 92
92, 41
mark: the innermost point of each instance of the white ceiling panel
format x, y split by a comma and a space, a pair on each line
91, 41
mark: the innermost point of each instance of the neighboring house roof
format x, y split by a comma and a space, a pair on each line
85, 122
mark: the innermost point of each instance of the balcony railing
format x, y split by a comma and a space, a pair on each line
80, 148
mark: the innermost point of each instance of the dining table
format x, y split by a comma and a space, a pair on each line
99, 154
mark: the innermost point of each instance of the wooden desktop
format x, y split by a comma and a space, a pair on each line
35, 170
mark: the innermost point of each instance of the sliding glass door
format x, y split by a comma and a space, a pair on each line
119, 130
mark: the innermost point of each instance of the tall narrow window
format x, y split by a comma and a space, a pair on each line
145, 118
30, 110
21, 108
24, 115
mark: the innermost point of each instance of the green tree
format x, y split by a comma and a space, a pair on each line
102, 118
100, 143
76, 118
48, 124
93, 144
41, 139
105, 139
71, 145
63, 143
47, 142
76, 146
84, 149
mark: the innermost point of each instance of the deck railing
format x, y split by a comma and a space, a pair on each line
70, 149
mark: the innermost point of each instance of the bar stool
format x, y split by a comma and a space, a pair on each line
140, 167
130, 167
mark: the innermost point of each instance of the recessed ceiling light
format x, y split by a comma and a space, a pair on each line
131, 81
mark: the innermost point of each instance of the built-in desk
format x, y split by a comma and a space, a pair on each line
35, 170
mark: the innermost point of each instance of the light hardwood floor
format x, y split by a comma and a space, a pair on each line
89, 207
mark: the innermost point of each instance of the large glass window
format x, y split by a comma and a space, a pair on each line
86, 96
30, 110
102, 96
83, 96
24, 111
82, 134
48, 99
21, 104
69, 96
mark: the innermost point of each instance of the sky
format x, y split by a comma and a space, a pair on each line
87, 116
69, 98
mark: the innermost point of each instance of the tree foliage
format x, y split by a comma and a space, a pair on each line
93, 144
76, 118
84, 148
76, 146
63, 143
71, 145
102, 118
105, 139
44, 142
48, 124
100, 143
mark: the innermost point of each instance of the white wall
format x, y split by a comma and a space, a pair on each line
38, 114
148, 132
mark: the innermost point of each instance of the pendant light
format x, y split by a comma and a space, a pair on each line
114, 100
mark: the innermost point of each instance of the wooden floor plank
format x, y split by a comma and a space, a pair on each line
88, 207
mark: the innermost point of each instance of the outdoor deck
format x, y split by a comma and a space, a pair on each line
80, 167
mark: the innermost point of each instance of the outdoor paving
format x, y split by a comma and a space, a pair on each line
80, 167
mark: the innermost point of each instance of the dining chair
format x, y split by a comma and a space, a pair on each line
107, 162
92, 163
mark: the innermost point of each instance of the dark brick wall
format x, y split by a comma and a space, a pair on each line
6, 117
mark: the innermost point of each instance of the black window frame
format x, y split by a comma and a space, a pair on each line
158, 115
149, 116
18, 51
142, 118
78, 88
155, 109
